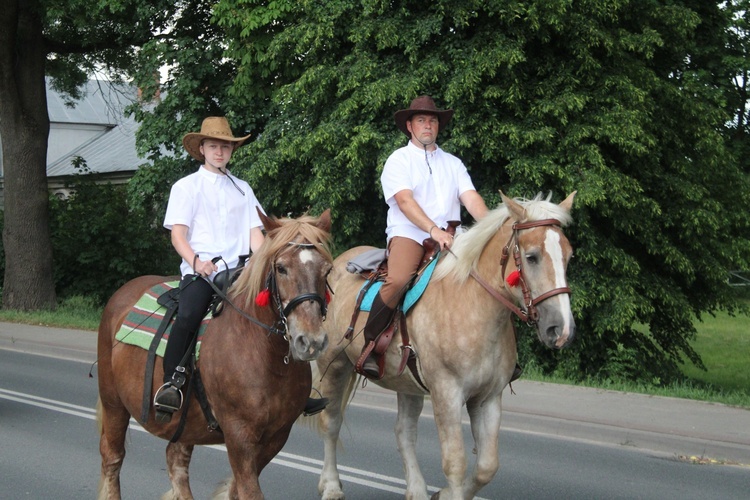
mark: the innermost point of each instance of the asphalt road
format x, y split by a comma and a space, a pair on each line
49, 444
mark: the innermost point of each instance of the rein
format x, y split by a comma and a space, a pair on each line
529, 313
225, 298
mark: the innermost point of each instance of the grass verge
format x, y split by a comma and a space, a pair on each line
77, 312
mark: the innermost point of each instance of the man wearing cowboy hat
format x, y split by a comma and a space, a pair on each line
210, 214
424, 188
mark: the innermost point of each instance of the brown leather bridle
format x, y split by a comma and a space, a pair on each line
529, 313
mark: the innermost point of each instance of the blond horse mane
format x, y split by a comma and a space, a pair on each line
468, 246
300, 230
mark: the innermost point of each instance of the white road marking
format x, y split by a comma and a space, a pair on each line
298, 462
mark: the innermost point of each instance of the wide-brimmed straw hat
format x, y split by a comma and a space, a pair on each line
422, 104
213, 127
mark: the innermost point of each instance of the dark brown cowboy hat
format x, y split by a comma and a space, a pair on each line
422, 104
213, 127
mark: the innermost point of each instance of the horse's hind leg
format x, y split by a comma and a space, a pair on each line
485, 428
113, 425
409, 409
178, 463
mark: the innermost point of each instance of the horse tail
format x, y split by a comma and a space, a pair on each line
348, 393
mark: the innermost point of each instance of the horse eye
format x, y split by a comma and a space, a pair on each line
280, 269
532, 259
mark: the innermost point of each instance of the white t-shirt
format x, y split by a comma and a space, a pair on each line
219, 218
437, 192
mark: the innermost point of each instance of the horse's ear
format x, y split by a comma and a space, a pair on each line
515, 209
268, 222
324, 222
567, 203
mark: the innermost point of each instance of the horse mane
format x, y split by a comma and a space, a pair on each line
300, 230
468, 246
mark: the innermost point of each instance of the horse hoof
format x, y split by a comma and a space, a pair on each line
163, 417
436, 496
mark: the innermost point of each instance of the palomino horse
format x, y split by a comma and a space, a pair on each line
462, 332
255, 391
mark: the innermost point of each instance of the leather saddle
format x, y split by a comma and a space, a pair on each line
398, 322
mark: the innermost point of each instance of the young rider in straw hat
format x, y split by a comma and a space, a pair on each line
424, 188
210, 214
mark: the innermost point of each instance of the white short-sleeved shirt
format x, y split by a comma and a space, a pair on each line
437, 192
219, 218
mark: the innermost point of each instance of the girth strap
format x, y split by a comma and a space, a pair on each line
148, 378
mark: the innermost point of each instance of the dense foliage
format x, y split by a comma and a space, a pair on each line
639, 106
99, 242
627, 102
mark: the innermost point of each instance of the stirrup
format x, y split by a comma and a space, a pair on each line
370, 367
364, 364
167, 400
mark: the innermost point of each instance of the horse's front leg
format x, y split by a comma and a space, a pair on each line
178, 464
335, 385
244, 459
409, 409
485, 428
447, 404
329, 484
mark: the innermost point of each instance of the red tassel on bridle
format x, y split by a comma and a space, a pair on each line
513, 278
328, 297
263, 298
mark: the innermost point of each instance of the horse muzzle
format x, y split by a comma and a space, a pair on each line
557, 333
308, 347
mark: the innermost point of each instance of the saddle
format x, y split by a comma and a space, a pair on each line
170, 301
364, 266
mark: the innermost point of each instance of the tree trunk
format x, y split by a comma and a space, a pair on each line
24, 128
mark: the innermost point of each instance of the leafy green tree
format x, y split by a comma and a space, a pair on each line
66, 40
736, 63
620, 100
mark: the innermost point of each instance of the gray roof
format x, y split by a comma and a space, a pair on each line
110, 150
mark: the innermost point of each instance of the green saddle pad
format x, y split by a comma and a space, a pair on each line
143, 320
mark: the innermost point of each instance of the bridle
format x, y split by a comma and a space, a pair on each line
529, 314
293, 303
280, 325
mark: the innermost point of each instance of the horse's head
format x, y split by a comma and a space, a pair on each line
291, 269
538, 254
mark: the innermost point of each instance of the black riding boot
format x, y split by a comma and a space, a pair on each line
314, 406
378, 320
517, 371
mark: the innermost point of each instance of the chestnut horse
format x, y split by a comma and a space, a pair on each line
254, 362
463, 335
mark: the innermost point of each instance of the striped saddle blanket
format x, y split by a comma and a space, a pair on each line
143, 320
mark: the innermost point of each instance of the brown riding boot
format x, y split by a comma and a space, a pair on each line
378, 320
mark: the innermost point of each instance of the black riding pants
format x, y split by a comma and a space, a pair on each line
195, 297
